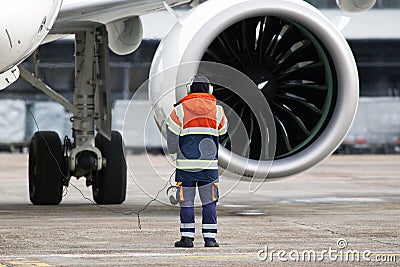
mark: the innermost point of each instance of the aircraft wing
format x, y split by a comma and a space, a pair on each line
75, 15
48, 20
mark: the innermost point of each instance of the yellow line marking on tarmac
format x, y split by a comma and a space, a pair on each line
23, 263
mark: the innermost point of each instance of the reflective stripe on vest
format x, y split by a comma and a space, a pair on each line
199, 130
172, 126
194, 164
219, 115
224, 129
180, 113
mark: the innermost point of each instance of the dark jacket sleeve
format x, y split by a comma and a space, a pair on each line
172, 141
173, 131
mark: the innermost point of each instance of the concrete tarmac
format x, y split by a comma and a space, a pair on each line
344, 211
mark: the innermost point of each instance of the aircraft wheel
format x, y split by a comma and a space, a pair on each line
109, 185
46, 163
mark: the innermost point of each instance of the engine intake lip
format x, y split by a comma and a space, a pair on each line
292, 70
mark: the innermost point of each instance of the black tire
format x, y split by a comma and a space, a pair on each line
109, 185
46, 163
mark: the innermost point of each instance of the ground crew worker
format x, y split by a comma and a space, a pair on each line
193, 130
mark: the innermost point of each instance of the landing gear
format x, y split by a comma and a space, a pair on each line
109, 185
100, 159
46, 166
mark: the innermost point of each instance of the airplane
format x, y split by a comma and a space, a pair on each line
298, 76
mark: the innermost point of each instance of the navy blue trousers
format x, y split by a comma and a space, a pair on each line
209, 196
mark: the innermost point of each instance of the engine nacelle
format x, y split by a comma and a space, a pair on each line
125, 35
24, 25
355, 5
295, 60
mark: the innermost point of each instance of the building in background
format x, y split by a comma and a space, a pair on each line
373, 36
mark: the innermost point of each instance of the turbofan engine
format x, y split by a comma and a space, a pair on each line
296, 61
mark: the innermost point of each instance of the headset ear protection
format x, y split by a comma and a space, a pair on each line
189, 85
210, 89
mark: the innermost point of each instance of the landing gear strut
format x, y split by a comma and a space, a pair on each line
100, 159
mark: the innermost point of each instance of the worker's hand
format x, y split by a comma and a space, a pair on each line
173, 157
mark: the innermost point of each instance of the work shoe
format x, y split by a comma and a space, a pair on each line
185, 242
211, 244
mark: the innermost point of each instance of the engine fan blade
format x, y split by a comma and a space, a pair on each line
288, 65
